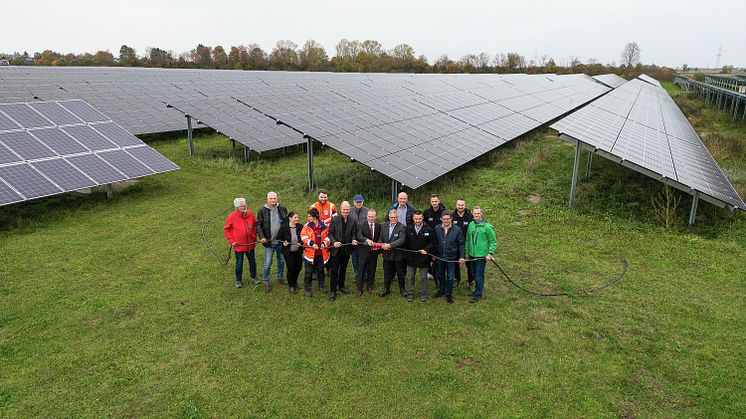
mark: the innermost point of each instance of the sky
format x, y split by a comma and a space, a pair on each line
670, 33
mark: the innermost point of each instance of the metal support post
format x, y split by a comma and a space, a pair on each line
309, 148
233, 145
245, 153
189, 136
574, 184
109, 191
693, 212
394, 190
588, 166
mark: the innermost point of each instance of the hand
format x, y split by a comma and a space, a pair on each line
386, 246
423, 251
354, 242
369, 242
285, 243
337, 244
315, 247
489, 257
263, 240
234, 243
461, 261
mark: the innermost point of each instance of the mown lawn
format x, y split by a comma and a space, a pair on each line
116, 308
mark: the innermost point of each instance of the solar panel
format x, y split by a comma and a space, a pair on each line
37, 162
27, 181
84, 111
639, 125
611, 80
64, 174
6, 123
25, 116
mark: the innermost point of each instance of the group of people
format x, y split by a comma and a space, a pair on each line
433, 243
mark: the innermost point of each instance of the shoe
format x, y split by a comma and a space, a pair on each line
308, 293
370, 290
384, 293
281, 281
429, 277
344, 290
332, 296
474, 300
423, 298
410, 298
449, 299
267, 287
322, 290
472, 294
438, 294
293, 290
255, 281
358, 294
402, 292
239, 284
472, 287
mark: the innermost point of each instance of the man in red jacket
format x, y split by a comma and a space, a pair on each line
240, 232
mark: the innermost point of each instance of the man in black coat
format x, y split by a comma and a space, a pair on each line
461, 218
450, 250
420, 237
432, 218
369, 234
342, 230
393, 236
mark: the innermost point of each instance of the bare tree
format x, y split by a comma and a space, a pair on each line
631, 54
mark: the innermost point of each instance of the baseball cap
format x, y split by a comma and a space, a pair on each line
357, 198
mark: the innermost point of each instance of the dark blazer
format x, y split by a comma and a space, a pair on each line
284, 236
338, 232
449, 247
432, 218
397, 239
363, 234
462, 222
424, 240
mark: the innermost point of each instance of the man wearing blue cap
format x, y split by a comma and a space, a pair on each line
358, 213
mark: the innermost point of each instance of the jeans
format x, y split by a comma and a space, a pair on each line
477, 267
269, 252
239, 264
446, 272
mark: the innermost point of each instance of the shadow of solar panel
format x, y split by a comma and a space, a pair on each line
152, 159
117, 134
63, 174
26, 146
8, 195
96, 168
55, 113
125, 163
84, 111
27, 181
6, 123
89, 137
25, 116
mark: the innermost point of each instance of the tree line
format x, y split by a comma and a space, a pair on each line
349, 56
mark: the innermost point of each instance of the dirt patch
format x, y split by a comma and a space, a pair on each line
524, 213
518, 223
534, 198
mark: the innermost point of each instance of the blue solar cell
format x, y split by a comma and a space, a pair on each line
152, 158
64, 174
88, 137
58, 141
25, 116
125, 163
26, 146
8, 195
55, 113
96, 169
84, 111
6, 123
7, 156
28, 181
117, 134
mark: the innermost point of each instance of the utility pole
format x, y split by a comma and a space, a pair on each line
720, 54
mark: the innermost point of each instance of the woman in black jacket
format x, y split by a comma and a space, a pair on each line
289, 235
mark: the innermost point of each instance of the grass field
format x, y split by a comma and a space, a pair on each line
116, 308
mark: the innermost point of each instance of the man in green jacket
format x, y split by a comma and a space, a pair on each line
480, 245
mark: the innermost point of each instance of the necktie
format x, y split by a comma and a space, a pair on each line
371, 231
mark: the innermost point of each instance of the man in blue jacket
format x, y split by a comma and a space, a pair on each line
450, 251
403, 209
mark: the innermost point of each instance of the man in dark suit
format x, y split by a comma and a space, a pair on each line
368, 232
342, 230
393, 236
420, 237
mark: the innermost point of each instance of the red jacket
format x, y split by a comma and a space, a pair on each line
241, 228
308, 238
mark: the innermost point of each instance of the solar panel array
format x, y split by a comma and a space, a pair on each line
412, 128
640, 126
47, 148
650, 80
611, 80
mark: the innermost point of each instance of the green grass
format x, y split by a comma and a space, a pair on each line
116, 308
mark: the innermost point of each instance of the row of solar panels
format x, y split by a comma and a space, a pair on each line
48, 148
640, 126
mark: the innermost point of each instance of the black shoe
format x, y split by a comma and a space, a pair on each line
239, 284
332, 296
474, 300
423, 298
384, 293
402, 292
410, 298
449, 299
308, 293
438, 294
344, 290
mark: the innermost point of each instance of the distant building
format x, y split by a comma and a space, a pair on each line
3, 61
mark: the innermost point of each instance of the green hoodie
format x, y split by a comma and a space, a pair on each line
480, 239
